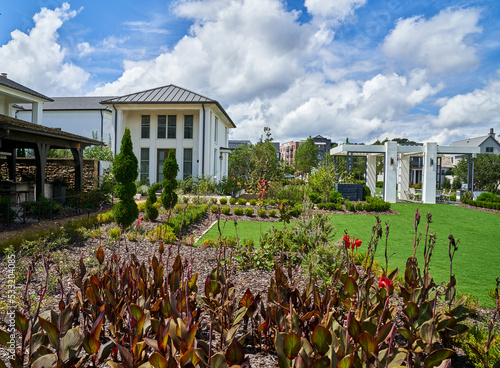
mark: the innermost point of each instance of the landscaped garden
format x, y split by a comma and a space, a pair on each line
292, 277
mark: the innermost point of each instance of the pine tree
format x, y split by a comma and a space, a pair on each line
125, 170
152, 211
169, 183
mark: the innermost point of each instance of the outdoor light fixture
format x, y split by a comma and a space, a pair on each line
432, 161
392, 161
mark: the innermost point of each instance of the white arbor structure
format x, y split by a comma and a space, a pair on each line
396, 159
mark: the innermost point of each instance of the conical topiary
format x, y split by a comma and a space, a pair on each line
152, 211
125, 170
169, 183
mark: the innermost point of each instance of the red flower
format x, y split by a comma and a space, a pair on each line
139, 222
357, 243
384, 282
347, 241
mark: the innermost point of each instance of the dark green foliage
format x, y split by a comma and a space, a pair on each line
184, 219
336, 197
359, 206
125, 171
170, 169
349, 206
321, 206
261, 212
5, 210
223, 200
272, 213
238, 211
366, 192
226, 210
379, 184
242, 201
331, 206
152, 211
306, 157
376, 204
248, 211
446, 184
232, 200
489, 197
314, 197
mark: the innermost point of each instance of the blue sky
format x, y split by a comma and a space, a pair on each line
367, 70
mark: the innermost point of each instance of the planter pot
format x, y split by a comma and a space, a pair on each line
352, 192
59, 194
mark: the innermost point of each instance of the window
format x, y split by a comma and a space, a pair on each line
172, 125
188, 127
145, 125
188, 163
215, 161
162, 127
489, 149
216, 129
144, 177
162, 154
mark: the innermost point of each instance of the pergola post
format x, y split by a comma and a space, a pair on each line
11, 162
390, 171
41, 151
404, 183
429, 173
371, 173
78, 159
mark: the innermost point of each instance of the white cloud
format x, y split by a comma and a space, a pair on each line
345, 109
333, 11
246, 48
441, 43
85, 49
478, 108
44, 64
146, 27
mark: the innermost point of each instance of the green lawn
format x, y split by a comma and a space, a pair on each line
477, 261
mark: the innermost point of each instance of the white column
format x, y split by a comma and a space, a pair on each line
429, 173
37, 113
390, 171
371, 173
404, 182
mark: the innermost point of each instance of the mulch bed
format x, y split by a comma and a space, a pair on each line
203, 260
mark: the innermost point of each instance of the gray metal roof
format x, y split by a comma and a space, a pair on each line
471, 142
92, 103
170, 94
167, 94
4, 81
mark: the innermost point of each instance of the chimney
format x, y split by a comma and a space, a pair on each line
3, 75
491, 132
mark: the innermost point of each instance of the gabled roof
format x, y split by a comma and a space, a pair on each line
170, 94
90, 103
167, 94
472, 142
4, 81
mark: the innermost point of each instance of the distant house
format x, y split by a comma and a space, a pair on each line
324, 146
77, 115
487, 144
235, 143
164, 118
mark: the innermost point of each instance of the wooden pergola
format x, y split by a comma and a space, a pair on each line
15, 133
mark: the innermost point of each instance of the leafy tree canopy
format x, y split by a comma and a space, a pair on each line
486, 171
306, 157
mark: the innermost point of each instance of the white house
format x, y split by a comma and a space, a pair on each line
12, 93
77, 115
170, 117
486, 143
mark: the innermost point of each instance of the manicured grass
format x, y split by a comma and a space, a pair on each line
476, 264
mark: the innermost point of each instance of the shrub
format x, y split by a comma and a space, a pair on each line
151, 210
185, 199
314, 197
466, 197
349, 206
114, 233
238, 211
489, 197
226, 210
272, 202
248, 243
379, 184
230, 241
125, 171
232, 200
359, 206
209, 243
331, 206
249, 211
169, 183
453, 197
242, 201
223, 200
178, 208
366, 192
376, 205
272, 213
253, 202
323, 261
214, 209
321, 206
339, 207
213, 200
261, 212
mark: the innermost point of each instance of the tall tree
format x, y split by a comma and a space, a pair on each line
125, 170
306, 157
323, 179
486, 171
169, 183
264, 158
240, 164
